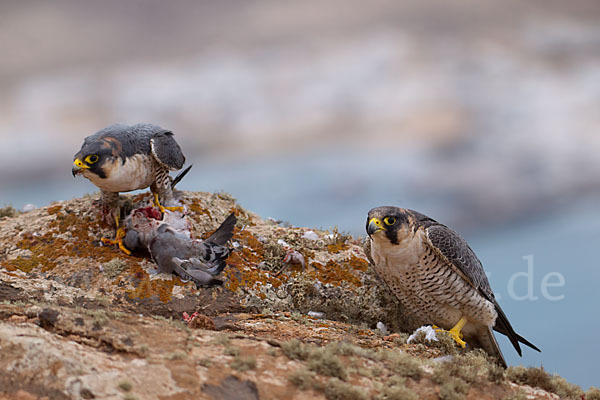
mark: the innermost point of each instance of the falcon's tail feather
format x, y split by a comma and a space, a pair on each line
504, 327
487, 340
180, 176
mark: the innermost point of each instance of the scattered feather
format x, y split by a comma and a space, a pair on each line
429, 332
382, 328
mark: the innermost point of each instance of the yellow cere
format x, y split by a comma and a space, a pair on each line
79, 163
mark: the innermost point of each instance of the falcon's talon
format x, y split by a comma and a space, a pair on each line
455, 333
118, 240
457, 336
164, 208
458, 340
174, 208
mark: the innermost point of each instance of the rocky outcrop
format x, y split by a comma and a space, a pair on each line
296, 317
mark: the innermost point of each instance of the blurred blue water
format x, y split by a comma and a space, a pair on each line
566, 330
333, 191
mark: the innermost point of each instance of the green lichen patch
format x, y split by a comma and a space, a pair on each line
472, 369
452, 388
395, 388
296, 350
303, 378
404, 364
324, 362
538, 377
335, 389
125, 386
8, 211
243, 363
114, 267
593, 393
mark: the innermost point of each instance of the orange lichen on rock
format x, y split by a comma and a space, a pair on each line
244, 261
54, 209
85, 244
242, 215
147, 288
248, 240
337, 247
250, 278
45, 250
68, 235
342, 271
161, 288
358, 263
196, 208
23, 263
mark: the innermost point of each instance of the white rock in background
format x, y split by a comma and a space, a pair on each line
28, 207
310, 235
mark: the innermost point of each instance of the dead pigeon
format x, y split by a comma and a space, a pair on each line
168, 239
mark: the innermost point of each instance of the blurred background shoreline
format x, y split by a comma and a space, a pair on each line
483, 115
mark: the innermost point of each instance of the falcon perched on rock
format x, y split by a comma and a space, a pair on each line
168, 239
436, 275
122, 158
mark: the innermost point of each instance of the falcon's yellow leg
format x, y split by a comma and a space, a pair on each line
455, 332
118, 240
163, 208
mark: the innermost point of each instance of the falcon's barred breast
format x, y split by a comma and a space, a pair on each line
437, 276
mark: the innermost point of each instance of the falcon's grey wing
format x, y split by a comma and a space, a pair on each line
166, 150
455, 250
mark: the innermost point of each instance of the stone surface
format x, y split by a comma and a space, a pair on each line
71, 328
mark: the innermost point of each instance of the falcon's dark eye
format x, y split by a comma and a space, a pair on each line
91, 159
389, 220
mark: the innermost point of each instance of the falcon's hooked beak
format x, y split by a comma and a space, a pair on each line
78, 167
374, 226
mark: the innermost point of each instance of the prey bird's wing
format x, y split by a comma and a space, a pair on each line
200, 276
166, 150
223, 232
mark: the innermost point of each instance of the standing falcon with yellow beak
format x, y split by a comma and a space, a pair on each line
435, 274
122, 158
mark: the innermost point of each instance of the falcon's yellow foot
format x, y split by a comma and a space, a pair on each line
163, 208
118, 240
455, 332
